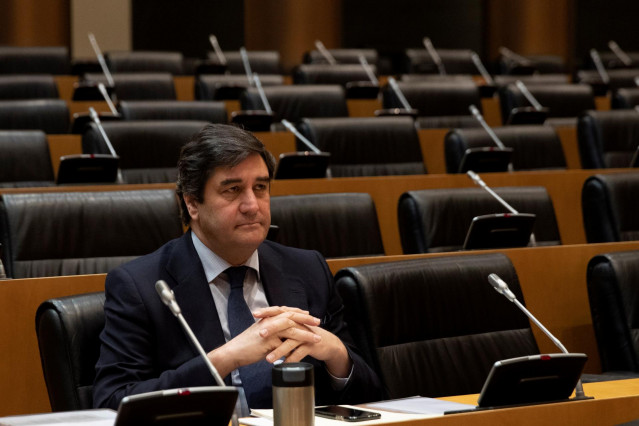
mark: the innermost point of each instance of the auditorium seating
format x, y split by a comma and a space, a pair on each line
260, 61
32, 86
544, 64
505, 80
214, 112
336, 225
34, 60
52, 234
68, 330
440, 104
455, 61
369, 146
49, 115
613, 281
139, 61
437, 220
434, 327
607, 138
148, 150
609, 207
331, 74
534, 147
619, 78
138, 86
611, 61
625, 98
214, 87
342, 56
25, 159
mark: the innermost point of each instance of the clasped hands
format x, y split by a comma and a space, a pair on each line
283, 332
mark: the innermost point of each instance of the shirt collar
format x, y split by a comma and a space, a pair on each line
214, 265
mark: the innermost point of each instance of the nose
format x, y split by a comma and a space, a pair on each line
248, 204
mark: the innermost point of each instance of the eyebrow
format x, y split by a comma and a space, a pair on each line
236, 180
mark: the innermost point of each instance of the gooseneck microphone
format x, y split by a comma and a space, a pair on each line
502, 288
402, 99
325, 53
599, 66
623, 56
300, 136
217, 50
101, 61
529, 96
434, 55
480, 118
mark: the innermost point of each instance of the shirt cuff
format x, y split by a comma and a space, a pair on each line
339, 383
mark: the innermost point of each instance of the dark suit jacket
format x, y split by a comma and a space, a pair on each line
144, 348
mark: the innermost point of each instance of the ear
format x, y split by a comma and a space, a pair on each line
192, 206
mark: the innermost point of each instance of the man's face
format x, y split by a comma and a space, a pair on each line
235, 215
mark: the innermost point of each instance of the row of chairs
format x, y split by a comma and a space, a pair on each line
52, 234
449, 351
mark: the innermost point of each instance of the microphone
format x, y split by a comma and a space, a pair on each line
247, 65
434, 55
367, 69
482, 70
480, 118
529, 96
101, 61
480, 182
502, 288
258, 84
300, 136
96, 120
107, 98
168, 298
218, 51
623, 56
3, 275
601, 70
325, 53
402, 99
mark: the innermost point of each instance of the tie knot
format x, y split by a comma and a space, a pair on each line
236, 275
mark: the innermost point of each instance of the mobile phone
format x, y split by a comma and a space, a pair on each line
337, 412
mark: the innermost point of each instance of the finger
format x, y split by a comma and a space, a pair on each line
276, 310
298, 354
274, 325
285, 328
301, 334
282, 350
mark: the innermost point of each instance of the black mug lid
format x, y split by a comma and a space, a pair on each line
294, 374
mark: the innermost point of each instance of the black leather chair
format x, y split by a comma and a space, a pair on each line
145, 62
336, 225
533, 79
544, 64
49, 115
611, 61
260, 61
294, 102
217, 87
609, 205
33, 86
607, 138
154, 86
214, 112
434, 327
342, 56
613, 280
455, 61
24, 159
34, 60
148, 150
534, 147
331, 74
370, 146
437, 220
619, 78
52, 234
625, 98
440, 104
565, 102
68, 330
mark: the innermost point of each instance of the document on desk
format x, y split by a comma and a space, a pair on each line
419, 405
98, 417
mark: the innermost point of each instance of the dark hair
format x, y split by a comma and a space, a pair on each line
216, 145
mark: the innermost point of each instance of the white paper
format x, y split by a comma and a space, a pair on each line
420, 405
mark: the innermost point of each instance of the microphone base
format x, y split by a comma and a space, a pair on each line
581, 398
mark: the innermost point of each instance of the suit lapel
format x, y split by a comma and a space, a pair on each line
282, 289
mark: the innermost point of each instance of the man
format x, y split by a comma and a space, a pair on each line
223, 185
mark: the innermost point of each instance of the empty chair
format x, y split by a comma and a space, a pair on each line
49, 115
148, 150
138, 86
28, 87
434, 327
625, 98
613, 280
437, 220
366, 146
609, 207
214, 112
34, 60
618, 78
68, 330
330, 74
51, 234
336, 225
544, 64
24, 159
534, 147
611, 61
294, 102
455, 61
607, 138
565, 102
145, 62
342, 56
505, 80
260, 61
217, 87
440, 104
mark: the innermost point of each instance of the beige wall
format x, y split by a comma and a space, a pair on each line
109, 21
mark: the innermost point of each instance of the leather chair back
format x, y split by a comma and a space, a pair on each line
543, 64
330, 74
534, 147
213, 112
336, 225
145, 62
260, 61
294, 102
434, 327
52, 234
372, 146
140, 86
34, 60
613, 284
455, 61
148, 150
607, 138
437, 220
618, 78
342, 56
609, 206
49, 115
25, 159
68, 330
625, 98
28, 87
213, 87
